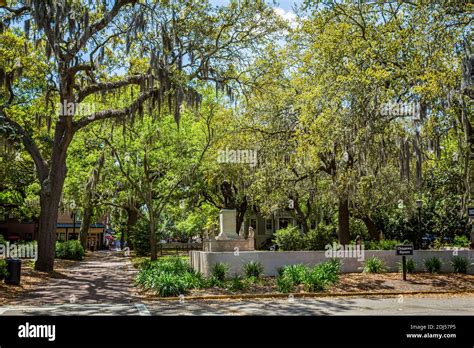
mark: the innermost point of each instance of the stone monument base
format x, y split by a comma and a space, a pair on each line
229, 245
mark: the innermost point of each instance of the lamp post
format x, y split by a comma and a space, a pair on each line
73, 211
419, 205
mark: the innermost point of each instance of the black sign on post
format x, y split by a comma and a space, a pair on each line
404, 250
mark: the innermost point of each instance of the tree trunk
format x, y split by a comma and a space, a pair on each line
153, 249
49, 204
241, 210
51, 190
132, 218
86, 222
343, 221
374, 235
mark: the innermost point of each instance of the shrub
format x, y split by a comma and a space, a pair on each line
315, 280
168, 284
289, 239
219, 271
253, 269
70, 250
461, 241
319, 238
410, 266
285, 284
172, 276
433, 265
330, 270
238, 284
296, 273
374, 265
3, 269
460, 264
2, 240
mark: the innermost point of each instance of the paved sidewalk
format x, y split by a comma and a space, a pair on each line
104, 276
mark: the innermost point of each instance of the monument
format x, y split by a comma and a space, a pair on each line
228, 239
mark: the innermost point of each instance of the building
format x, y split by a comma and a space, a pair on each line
67, 228
265, 227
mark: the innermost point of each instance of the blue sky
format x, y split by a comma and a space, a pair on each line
283, 4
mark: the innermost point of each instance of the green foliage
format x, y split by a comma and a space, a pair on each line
171, 276
386, 244
315, 280
318, 239
296, 273
237, 283
2, 240
70, 250
460, 264
285, 284
410, 263
461, 241
289, 239
3, 268
374, 265
253, 269
219, 271
433, 264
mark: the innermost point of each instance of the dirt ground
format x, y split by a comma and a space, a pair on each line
363, 282
31, 279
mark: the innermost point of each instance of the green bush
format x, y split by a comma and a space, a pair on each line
461, 241
315, 280
433, 265
460, 264
285, 284
410, 266
3, 269
70, 250
331, 270
2, 240
171, 276
253, 269
289, 238
318, 239
219, 271
374, 265
296, 273
168, 284
237, 283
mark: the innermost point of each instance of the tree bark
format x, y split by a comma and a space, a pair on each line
153, 248
86, 222
50, 196
343, 221
374, 235
132, 218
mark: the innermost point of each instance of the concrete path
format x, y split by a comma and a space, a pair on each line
104, 276
407, 305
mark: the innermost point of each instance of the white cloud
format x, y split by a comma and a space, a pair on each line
286, 15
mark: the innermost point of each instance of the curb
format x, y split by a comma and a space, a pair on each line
306, 294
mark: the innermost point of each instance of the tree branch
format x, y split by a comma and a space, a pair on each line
29, 145
107, 86
117, 113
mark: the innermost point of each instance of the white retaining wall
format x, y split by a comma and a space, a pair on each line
273, 260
